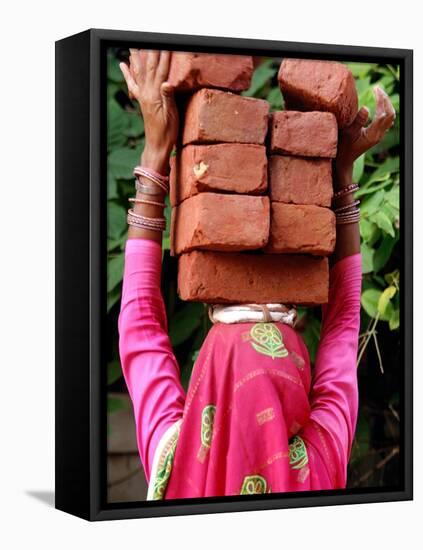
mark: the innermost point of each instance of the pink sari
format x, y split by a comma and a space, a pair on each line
246, 407
255, 418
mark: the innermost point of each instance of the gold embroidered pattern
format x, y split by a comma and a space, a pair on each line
165, 467
297, 453
254, 485
267, 339
265, 416
207, 422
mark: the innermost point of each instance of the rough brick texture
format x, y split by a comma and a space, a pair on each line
219, 277
225, 167
300, 181
190, 71
214, 115
319, 86
216, 221
311, 134
301, 229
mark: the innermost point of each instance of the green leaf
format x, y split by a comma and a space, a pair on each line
393, 196
362, 85
388, 167
114, 271
358, 168
119, 243
385, 298
370, 300
275, 99
112, 90
382, 221
366, 229
391, 139
113, 70
116, 220
372, 204
111, 185
367, 254
393, 278
261, 76
185, 322
122, 162
135, 126
311, 336
391, 212
113, 297
114, 371
115, 404
383, 253
394, 321
116, 125
360, 70
372, 189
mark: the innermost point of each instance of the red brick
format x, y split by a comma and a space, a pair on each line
214, 115
309, 85
313, 134
226, 167
301, 229
300, 181
223, 277
190, 71
215, 221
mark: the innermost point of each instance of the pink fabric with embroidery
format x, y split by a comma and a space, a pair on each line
261, 396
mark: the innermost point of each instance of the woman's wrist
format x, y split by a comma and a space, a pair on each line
156, 160
343, 176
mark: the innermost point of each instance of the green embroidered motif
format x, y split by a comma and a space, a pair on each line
254, 485
297, 453
267, 339
207, 420
164, 471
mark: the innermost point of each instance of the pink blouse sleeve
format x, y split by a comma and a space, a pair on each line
149, 365
334, 394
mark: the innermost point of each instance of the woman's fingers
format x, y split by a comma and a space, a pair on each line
384, 108
136, 66
130, 82
354, 129
152, 62
163, 66
383, 120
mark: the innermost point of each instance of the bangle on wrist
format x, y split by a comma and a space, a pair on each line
352, 188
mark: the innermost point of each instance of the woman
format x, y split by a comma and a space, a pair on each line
255, 418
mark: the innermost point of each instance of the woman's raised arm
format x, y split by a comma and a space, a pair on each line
334, 396
149, 366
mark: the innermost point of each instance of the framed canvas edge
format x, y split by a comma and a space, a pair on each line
101, 38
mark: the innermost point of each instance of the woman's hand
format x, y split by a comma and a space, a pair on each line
357, 138
146, 78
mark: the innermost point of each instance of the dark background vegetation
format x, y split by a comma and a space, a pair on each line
375, 457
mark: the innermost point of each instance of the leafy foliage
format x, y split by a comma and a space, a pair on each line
377, 172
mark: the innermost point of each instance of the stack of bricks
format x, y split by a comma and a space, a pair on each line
250, 192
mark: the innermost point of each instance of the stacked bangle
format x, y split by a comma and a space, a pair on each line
347, 213
144, 222
352, 188
153, 176
146, 201
346, 207
352, 216
160, 183
147, 189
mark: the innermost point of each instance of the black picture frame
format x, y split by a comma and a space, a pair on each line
81, 220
